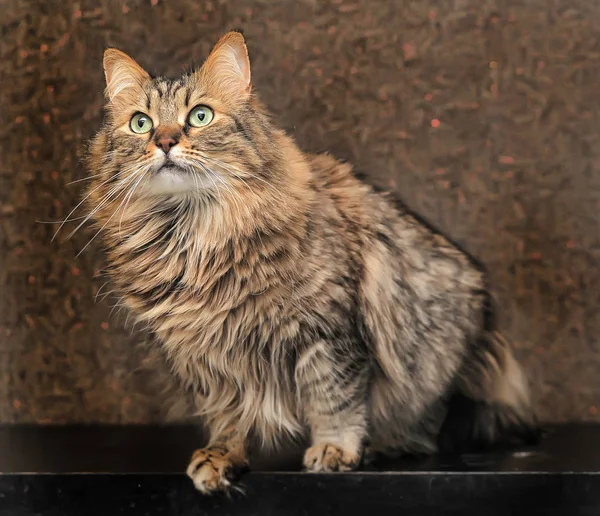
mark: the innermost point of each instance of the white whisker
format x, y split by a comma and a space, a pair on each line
103, 202
141, 172
78, 205
68, 217
133, 188
212, 174
100, 290
88, 178
236, 171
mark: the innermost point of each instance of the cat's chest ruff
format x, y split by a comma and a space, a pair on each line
249, 383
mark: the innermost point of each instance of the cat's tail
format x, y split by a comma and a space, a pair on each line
491, 405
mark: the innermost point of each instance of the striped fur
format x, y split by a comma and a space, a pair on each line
291, 298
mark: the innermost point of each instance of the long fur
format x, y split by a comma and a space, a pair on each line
290, 297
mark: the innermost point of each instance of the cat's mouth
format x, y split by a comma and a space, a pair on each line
169, 166
172, 178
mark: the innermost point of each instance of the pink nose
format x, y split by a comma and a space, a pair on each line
166, 144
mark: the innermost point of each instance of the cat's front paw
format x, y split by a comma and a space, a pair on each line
214, 471
330, 457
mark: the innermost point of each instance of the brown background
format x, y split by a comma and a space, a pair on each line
482, 114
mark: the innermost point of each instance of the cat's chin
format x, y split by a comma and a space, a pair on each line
176, 181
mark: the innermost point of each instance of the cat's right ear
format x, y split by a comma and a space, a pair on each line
227, 68
123, 75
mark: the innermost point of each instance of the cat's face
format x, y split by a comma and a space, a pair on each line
196, 135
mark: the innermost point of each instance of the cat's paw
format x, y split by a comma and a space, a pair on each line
214, 471
329, 457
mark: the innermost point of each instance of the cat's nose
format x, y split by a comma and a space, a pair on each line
166, 143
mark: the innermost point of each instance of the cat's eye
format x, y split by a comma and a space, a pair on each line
140, 123
200, 116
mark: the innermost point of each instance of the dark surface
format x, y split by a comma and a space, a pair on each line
102, 449
270, 494
166, 449
512, 172
138, 471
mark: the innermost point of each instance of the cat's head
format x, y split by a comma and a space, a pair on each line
203, 133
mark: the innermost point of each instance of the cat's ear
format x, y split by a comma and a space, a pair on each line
227, 67
122, 73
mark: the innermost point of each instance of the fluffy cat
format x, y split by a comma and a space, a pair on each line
291, 298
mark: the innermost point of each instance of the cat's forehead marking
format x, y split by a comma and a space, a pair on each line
168, 99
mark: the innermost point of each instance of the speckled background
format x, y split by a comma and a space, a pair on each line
482, 114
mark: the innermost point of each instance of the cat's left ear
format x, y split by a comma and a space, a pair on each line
123, 74
227, 68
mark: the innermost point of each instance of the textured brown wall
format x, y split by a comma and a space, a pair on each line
482, 114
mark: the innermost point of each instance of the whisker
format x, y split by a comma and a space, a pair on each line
120, 304
67, 219
105, 295
232, 170
133, 188
100, 290
104, 201
212, 174
88, 178
78, 205
230, 167
142, 171
115, 190
224, 183
58, 221
97, 233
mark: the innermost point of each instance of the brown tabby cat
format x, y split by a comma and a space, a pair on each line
290, 297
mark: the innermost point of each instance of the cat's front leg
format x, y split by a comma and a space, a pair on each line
216, 467
333, 389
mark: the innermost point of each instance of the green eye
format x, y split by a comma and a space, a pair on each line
140, 123
200, 116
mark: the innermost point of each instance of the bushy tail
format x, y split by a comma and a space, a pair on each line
491, 405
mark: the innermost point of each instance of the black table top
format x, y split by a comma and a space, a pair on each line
138, 470
166, 449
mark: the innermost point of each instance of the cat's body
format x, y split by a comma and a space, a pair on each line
290, 297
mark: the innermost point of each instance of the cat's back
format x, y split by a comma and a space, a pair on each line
336, 179
388, 233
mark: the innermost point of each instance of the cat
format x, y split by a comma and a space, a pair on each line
290, 297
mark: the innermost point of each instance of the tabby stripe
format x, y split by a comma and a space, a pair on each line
242, 130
